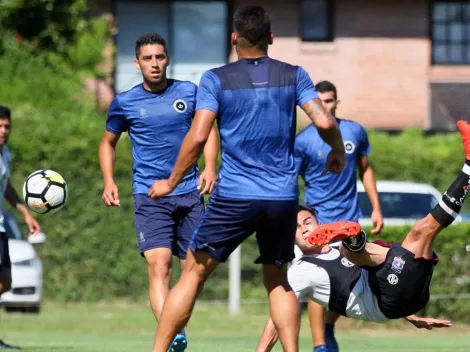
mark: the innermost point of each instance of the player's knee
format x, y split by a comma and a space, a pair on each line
274, 277
159, 268
419, 229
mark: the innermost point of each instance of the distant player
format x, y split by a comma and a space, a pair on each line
254, 100
8, 192
335, 196
399, 276
157, 115
322, 274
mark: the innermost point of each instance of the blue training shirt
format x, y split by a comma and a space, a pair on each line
256, 100
157, 124
334, 196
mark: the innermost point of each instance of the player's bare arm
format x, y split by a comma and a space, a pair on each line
211, 151
428, 323
190, 152
12, 197
329, 132
325, 123
366, 173
107, 155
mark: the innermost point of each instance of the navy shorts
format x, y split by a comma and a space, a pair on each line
227, 222
168, 222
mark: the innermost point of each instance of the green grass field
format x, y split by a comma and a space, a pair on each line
129, 327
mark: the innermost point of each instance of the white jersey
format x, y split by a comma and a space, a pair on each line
5, 171
311, 281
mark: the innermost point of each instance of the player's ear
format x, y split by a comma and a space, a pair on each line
234, 39
338, 102
271, 38
137, 65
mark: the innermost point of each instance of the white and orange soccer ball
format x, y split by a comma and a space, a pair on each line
45, 191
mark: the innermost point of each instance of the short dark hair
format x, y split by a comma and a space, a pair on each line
5, 112
149, 39
326, 86
306, 207
253, 24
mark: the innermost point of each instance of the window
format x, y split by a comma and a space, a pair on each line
449, 102
316, 20
399, 205
450, 32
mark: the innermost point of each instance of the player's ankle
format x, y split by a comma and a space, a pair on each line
320, 348
356, 243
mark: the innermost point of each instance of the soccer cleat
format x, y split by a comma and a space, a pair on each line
5, 346
464, 129
321, 348
179, 343
335, 231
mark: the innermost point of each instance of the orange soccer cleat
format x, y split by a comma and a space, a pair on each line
464, 129
335, 231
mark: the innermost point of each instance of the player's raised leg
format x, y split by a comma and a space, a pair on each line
421, 237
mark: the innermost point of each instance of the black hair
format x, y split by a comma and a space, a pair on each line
5, 112
149, 39
253, 24
326, 86
306, 207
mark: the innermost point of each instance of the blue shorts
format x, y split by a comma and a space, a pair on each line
227, 222
168, 222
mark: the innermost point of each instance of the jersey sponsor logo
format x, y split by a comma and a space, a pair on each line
349, 147
346, 263
392, 279
180, 106
398, 264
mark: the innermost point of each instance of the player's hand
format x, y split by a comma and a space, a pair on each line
429, 323
33, 224
111, 195
159, 189
208, 177
378, 221
335, 162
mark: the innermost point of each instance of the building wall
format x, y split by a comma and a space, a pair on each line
379, 61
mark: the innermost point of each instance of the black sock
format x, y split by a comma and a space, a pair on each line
451, 203
356, 243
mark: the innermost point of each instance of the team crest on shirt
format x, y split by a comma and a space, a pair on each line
392, 279
398, 264
346, 263
143, 113
349, 147
180, 106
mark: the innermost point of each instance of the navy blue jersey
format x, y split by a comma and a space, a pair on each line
157, 124
333, 196
255, 100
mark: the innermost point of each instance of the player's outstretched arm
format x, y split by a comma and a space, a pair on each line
12, 197
428, 323
269, 337
190, 152
209, 175
107, 156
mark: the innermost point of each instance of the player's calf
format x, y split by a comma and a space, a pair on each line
449, 206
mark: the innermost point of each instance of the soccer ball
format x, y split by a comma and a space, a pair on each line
45, 191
